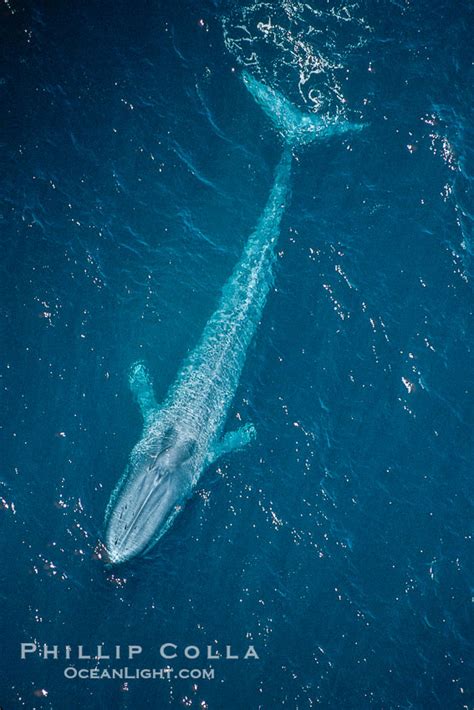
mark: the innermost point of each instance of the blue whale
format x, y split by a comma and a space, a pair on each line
184, 435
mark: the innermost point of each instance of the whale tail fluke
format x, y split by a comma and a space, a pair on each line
296, 127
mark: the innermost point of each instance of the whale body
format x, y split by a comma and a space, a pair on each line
184, 435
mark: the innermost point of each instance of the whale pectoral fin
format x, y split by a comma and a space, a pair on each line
142, 388
233, 440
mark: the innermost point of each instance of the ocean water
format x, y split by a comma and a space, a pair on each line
134, 166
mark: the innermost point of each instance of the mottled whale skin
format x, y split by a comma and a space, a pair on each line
183, 435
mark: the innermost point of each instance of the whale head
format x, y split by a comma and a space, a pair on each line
156, 484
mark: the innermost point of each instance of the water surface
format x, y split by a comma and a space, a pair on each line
135, 164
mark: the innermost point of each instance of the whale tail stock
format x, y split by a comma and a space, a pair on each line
296, 127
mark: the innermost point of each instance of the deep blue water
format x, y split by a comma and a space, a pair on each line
134, 166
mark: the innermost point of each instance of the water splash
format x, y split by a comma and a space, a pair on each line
309, 45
